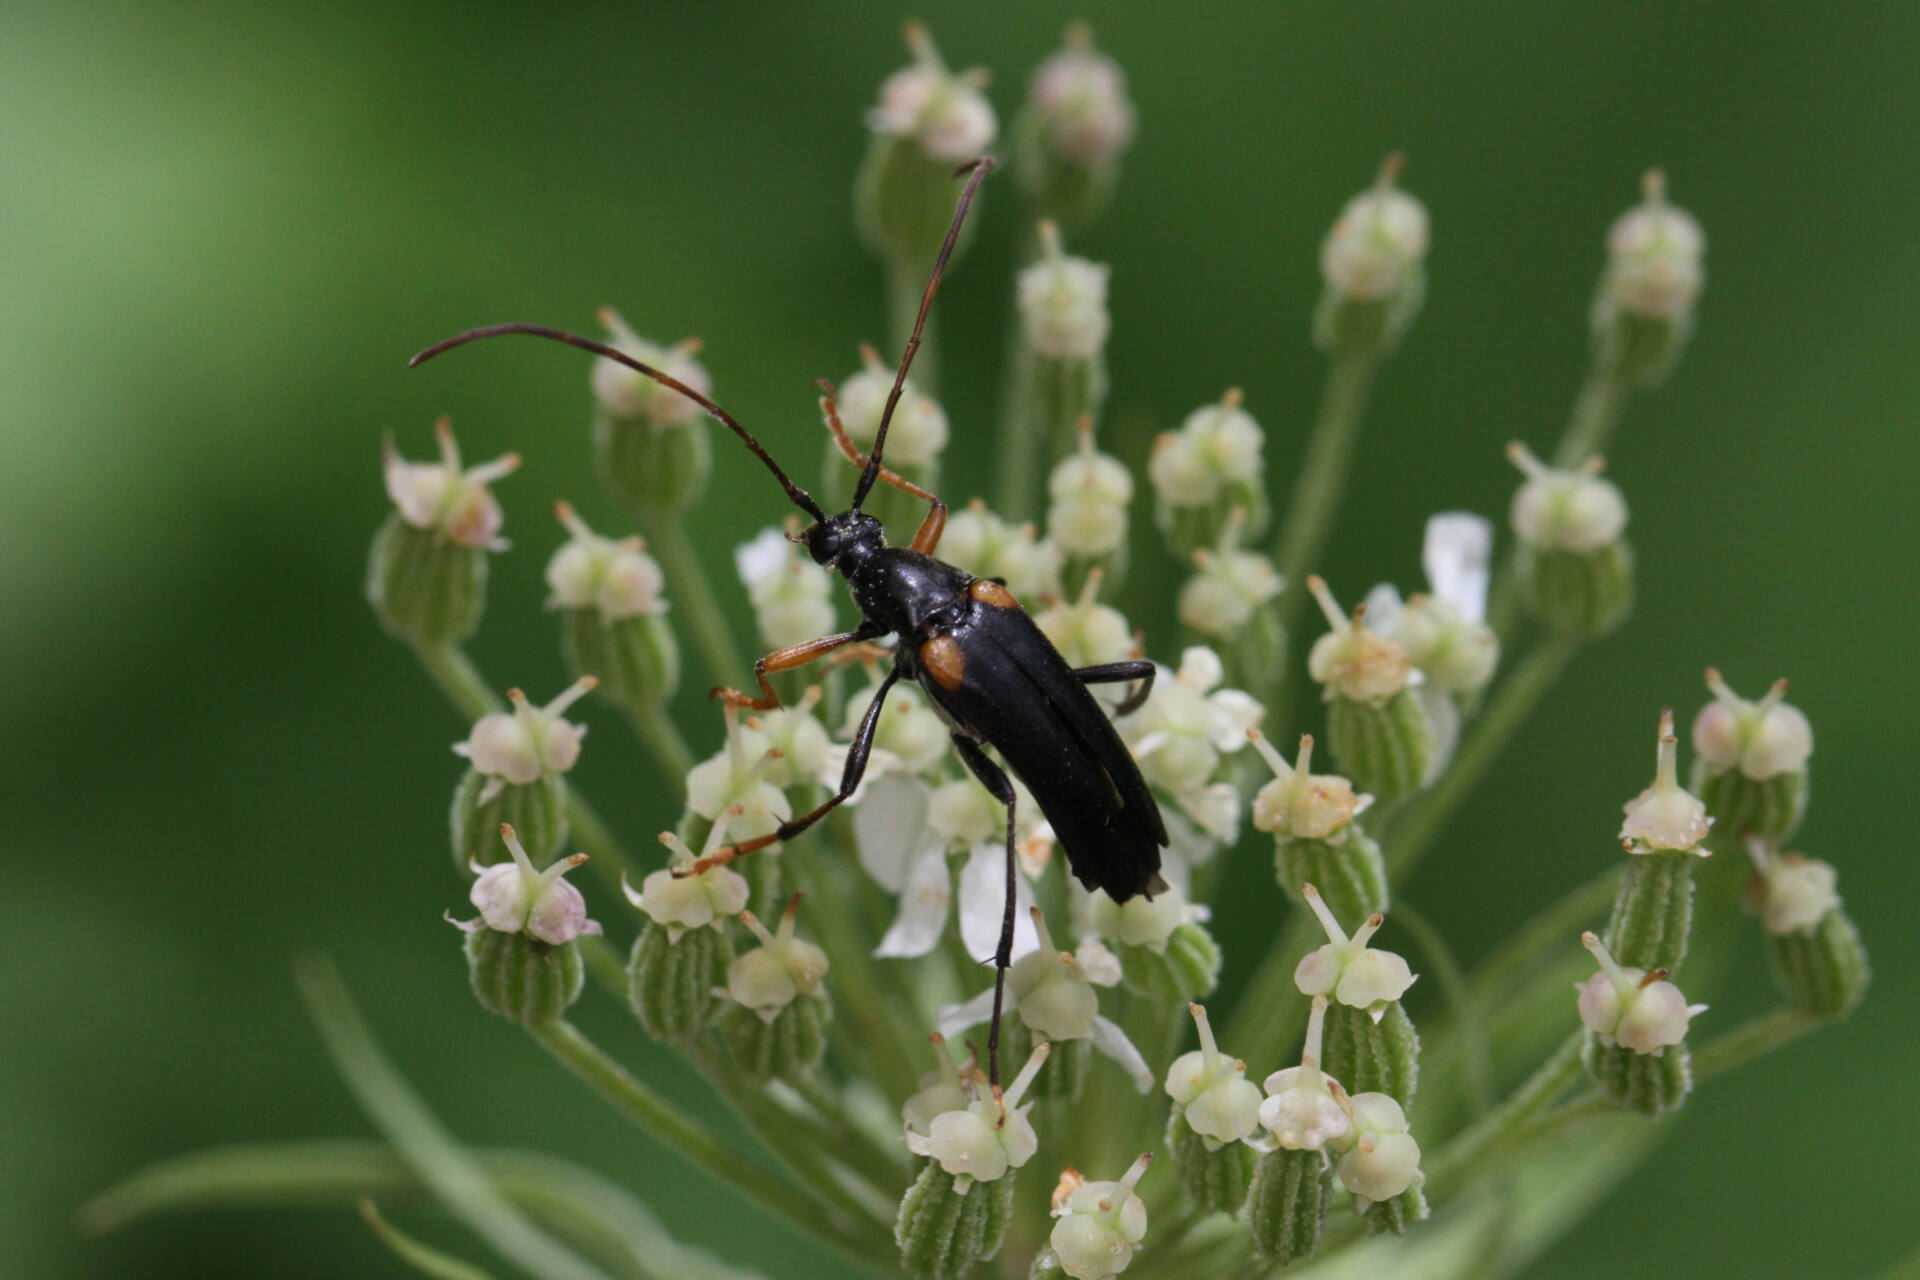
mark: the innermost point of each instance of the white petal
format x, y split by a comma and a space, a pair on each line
1384, 607
952, 1019
1456, 553
925, 900
1234, 712
1101, 966
1109, 1039
760, 559
983, 900
890, 826
1443, 719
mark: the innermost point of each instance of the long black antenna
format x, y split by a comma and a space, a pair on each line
979, 169
799, 497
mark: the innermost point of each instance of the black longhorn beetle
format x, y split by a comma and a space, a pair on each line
991, 673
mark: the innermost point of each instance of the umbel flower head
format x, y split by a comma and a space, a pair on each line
1347, 969
985, 1137
1352, 661
616, 579
443, 497
1100, 1224
1088, 633
678, 901
988, 546
1761, 739
1228, 584
1211, 1091
777, 972
1305, 1108
1790, 892
1632, 1008
1666, 816
513, 897
522, 745
1187, 724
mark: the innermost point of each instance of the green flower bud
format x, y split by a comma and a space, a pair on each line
1380, 1164
943, 1232
927, 121
1396, 1212
778, 1025
522, 978
1376, 726
1069, 137
1663, 832
670, 985
1087, 518
613, 619
1574, 567
427, 571
1315, 838
650, 442
1287, 1203
1643, 312
537, 810
1750, 763
1373, 264
1813, 949
1373, 1054
1165, 953
1215, 1107
1648, 1083
1215, 1178
1213, 465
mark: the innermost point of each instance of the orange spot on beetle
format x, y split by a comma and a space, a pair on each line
941, 656
993, 594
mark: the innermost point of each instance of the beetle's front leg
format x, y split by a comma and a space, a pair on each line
1114, 673
794, 655
927, 538
1000, 787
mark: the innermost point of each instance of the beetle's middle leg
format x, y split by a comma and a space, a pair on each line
1114, 673
995, 779
794, 655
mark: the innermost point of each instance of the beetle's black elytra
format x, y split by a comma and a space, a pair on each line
990, 673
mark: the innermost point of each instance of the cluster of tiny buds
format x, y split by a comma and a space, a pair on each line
1565, 510
1080, 95
1654, 252
1086, 632
1090, 492
1790, 892
918, 433
792, 596
1063, 302
946, 114
1666, 816
1229, 584
1352, 661
1218, 444
1633, 1008
617, 579
1379, 237
444, 497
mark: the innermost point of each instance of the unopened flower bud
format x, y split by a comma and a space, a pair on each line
1379, 1159
927, 120
1077, 122
1575, 569
1813, 948
778, 1027
943, 1231
1750, 762
987, 546
683, 952
1063, 303
1287, 1203
427, 571
1643, 312
1636, 1024
1100, 1225
1213, 465
1373, 263
649, 441
1087, 518
520, 954
1315, 838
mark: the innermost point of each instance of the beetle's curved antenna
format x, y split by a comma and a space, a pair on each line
798, 496
979, 169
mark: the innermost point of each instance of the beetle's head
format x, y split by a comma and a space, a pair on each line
843, 541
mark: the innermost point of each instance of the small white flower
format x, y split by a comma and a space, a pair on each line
679, 902
910, 733
1791, 893
940, 1092
1304, 1109
1080, 95
1666, 816
1380, 1158
1229, 584
519, 746
1090, 491
1186, 725
1653, 256
1379, 237
1762, 739
512, 897
1212, 1090
440, 495
986, 546
1063, 302
1217, 445
1351, 660
1100, 1226
1631, 1007
628, 393
946, 114
777, 972
1555, 510
918, 432
986, 1138
1445, 633
1140, 922
1347, 969
1299, 804
1088, 633
797, 748
791, 595
619, 579
737, 776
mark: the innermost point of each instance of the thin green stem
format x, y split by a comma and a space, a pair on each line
1549, 1080
422, 1257
1271, 1011
692, 593
678, 1132
1595, 417
460, 680
1505, 712
1323, 478
1469, 1025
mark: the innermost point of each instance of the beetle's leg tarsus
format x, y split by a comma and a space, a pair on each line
995, 780
928, 536
1114, 673
794, 655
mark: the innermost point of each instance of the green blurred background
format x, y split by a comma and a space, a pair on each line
224, 226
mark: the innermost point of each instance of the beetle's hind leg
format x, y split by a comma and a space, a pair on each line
1000, 787
1114, 673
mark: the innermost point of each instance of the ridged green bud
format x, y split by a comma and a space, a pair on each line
1215, 1108
1316, 839
1064, 1077
522, 978
927, 121
1636, 1025
1823, 970
427, 571
670, 985
1287, 1203
1215, 1178
1750, 763
1212, 466
1643, 312
1165, 953
1373, 1055
537, 810
1648, 1083
944, 1232
1395, 1213
1069, 137
786, 1046
1376, 727
778, 1025
1574, 567
613, 619
1664, 832
650, 443
1373, 263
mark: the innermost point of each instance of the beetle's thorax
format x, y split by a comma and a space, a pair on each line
908, 593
